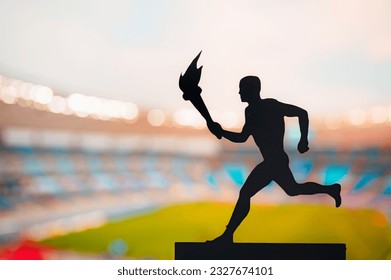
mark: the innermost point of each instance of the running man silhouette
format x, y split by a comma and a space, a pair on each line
264, 120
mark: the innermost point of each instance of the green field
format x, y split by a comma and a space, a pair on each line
152, 235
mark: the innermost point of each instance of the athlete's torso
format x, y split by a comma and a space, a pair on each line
265, 122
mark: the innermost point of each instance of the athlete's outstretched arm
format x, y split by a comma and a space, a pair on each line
237, 137
294, 111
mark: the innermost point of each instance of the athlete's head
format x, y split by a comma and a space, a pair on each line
249, 88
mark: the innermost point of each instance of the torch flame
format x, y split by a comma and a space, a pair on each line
188, 82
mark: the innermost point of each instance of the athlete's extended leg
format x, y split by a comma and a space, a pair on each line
288, 183
257, 180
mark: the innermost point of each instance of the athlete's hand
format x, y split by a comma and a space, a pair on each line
216, 129
302, 147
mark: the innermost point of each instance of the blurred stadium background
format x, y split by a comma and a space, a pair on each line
100, 158
73, 163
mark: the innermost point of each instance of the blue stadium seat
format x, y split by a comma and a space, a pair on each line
365, 181
94, 162
334, 173
237, 171
31, 161
301, 169
47, 185
121, 163
4, 203
157, 179
178, 167
104, 180
387, 189
216, 178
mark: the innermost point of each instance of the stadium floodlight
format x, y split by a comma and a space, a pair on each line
43, 95
129, 111
379, 114
57, 105
156, 117
357, 117
9, 95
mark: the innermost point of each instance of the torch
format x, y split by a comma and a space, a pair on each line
188, 83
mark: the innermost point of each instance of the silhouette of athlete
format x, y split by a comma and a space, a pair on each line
264, 120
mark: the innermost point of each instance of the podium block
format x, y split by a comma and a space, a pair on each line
259, 251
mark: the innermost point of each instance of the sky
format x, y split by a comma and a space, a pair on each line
327, 56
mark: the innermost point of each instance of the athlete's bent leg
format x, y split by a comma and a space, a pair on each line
288, 183
257, 180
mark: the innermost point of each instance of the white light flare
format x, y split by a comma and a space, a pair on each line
156, 117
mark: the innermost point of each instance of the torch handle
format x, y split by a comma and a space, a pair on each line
199, 104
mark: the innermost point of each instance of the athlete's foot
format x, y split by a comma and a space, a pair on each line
225, 238
336, 194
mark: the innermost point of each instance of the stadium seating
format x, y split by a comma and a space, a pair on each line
60, 173
38, 180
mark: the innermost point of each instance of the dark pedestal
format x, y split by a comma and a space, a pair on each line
259, 251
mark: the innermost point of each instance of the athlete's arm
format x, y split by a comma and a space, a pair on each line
294, 111
237, 137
